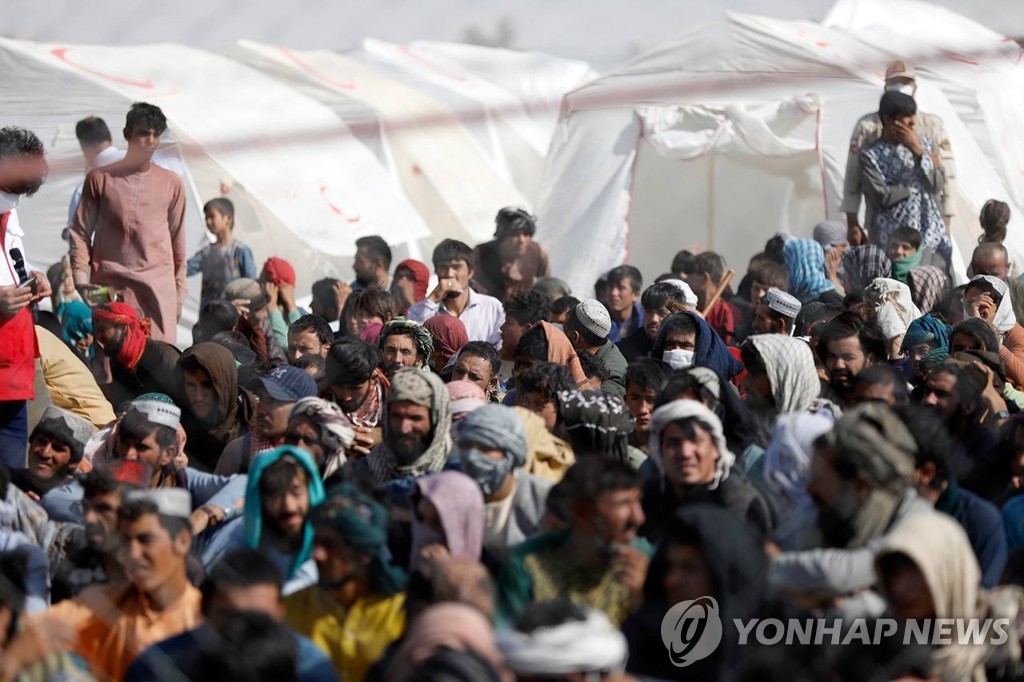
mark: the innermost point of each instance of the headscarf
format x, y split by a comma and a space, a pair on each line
901, 267
895, 309
371, 333
363, 523
928, 284
426, 389
136, 330
574, 646
787, 460
71, 429
465, 397
690, 409
448, 625
597, 423
448, 333
421, 337
498, 427
76, 322
561, 352
864, 264
805, 264
279, 271
460, 508
830, 233
254, 501
710, 351
336, 433
420, 277
236, 407
1004, 320
941, 550
927, 329
877, 445
789, 363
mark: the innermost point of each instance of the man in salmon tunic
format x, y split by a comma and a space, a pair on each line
128, 233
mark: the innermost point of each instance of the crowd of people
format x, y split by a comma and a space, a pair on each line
462, 471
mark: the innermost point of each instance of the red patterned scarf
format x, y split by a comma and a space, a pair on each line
136, 330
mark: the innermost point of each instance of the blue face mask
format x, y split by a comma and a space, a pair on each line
489, 474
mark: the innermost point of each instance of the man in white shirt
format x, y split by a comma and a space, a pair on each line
97, 148
482, 315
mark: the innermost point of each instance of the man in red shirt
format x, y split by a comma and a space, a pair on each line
22, 172
704, 275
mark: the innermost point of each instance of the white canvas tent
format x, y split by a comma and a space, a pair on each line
306, 187
721, 138
452, 184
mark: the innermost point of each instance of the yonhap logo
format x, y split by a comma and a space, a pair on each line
691, 630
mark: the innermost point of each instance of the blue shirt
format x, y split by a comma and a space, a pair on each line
621, 330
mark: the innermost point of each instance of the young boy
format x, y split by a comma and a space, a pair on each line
904, 252
227, 259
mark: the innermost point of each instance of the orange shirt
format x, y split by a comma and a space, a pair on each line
116, 622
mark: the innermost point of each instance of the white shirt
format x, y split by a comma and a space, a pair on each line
106, 157
482, 317
13, 240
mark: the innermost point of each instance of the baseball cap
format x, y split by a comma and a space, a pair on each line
288, 384
899, 69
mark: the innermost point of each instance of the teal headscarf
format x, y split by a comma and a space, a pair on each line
254, 503
76, 322
363, 523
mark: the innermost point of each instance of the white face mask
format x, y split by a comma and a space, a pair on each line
8, 201
905, 88
678, 359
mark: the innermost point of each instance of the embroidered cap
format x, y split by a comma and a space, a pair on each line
174, 502
159, 409
594, 317
783, 303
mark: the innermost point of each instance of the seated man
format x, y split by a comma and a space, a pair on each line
654, 302
148, 433
358, 608
776, 313
309, 335
244, 580
114, 623
587, 328
478, 363
417, 429
645, 378
481, 315
598, 561
404, 343
280, 389
55, 449
284, 485
138, 364
704, 275
359, 387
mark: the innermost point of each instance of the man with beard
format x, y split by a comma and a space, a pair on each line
862, 481
90, 553
776, 313
417, 428
847, 345
55, 449
138, 364
689, 451
404, 343
371, 264
513, 260
284, 485
479, 363
599, 560
279, 390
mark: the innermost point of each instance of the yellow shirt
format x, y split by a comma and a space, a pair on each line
116, 622
70, 383
354, 639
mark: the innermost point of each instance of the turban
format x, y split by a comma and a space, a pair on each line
279, 271
419, 334
497, 427
136, 330
877, 445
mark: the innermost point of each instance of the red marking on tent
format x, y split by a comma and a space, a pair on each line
822, 43
416, 169
62, 52
957, 57
431, 65
294, 58
330, 205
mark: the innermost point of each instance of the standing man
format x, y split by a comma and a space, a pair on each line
97, 148
512, 261
482, 315
371, 264
22, 172
129, 230
899, 77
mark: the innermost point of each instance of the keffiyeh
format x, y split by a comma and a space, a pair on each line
597, 423
790, 366
928, 284
691, 409
805, 263
419, 334
864, 264
336, 433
